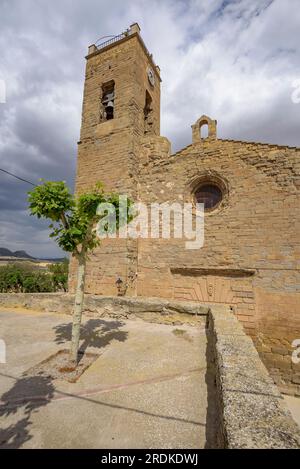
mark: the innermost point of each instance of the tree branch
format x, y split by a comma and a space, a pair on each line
66, 225
64, 220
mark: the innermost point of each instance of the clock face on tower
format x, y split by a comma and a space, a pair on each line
151, 76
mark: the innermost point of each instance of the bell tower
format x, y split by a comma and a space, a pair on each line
121, 104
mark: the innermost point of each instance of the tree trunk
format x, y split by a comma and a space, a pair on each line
77, 314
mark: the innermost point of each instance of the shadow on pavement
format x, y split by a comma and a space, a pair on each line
26, 396
29, 393
95, 333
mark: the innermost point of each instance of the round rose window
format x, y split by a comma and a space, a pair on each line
210, 195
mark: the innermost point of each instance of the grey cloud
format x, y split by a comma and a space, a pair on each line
15, 228
234, 60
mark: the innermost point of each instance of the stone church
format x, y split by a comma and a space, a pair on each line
250, 191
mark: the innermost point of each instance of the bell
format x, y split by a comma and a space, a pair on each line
109, 110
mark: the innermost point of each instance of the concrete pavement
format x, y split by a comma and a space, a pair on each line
150, 386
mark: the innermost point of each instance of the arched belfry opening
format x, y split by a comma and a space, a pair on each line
107, 101
148, 114
204, 131
204, 128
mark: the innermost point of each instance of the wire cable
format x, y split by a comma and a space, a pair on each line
17, 177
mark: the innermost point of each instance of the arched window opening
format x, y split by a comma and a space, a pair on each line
204, 128
148, 114
108, 101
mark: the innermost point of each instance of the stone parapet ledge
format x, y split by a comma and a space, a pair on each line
114, 306
251, 408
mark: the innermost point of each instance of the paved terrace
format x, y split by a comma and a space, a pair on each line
150, 386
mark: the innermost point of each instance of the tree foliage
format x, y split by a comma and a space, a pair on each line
73, 218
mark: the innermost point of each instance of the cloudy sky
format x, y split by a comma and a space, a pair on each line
235, 60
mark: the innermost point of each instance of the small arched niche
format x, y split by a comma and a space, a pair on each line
204, 128
204, 131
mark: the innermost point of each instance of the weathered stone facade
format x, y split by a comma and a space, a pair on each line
250, 258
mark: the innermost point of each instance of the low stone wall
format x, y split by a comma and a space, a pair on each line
49, 302
251, 408
150, 309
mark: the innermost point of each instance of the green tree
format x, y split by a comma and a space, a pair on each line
59, 273
73, 227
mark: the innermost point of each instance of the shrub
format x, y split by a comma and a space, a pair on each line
60, 275
22, 278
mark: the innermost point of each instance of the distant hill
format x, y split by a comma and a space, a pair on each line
4, 252
19, 254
